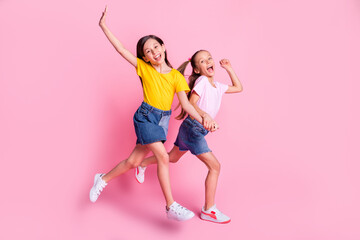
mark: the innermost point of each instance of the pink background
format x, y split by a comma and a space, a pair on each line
288, 144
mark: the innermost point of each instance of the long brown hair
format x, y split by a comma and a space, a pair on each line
192, 79
140, 48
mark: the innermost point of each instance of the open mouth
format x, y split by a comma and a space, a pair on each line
210, 69
157, 57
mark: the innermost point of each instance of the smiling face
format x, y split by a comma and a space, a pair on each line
204, 64
154, 52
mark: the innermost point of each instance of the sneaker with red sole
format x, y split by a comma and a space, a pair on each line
140, 174
214, 215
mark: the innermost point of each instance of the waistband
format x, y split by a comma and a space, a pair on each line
154, 109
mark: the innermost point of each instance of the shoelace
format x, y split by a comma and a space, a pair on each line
100, 187
142, 169
180, 209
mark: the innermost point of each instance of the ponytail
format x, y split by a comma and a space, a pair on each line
182, 67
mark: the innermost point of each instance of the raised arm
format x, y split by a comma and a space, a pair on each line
115, 42
236, 84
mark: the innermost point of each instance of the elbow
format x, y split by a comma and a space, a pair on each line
120, 50
189, 108
238, 89
194, 105
186, 106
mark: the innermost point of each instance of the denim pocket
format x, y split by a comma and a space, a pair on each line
196, 132
201, 130
144, 111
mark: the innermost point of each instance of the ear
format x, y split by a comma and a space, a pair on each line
196, 70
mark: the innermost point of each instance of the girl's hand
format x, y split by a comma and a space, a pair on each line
207, 122
103, 17
225, 63
215, 127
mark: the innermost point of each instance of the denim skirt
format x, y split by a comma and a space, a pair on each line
151, 124
191, 137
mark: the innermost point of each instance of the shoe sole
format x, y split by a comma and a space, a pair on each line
209, 219
216, 222
181, 220
92, 187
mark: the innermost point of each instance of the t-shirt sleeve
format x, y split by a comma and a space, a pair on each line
199, 86
181, 84
223, 88
140, 67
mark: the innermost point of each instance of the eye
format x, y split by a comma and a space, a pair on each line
202, 61
156, 46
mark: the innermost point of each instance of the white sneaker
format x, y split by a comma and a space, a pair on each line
179, 213
140, 174
214, 215
99, 185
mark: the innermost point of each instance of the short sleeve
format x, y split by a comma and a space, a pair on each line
200, 85
140, 67
223, 88
181, 84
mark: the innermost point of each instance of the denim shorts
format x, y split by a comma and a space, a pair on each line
151, 124
191, 137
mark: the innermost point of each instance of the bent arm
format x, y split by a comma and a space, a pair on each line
236, 84
194, 98
188, 107
208, 122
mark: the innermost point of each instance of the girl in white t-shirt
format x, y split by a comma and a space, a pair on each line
206, 97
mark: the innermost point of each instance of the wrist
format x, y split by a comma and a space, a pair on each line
229, 69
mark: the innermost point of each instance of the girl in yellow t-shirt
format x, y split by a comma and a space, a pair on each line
160, 82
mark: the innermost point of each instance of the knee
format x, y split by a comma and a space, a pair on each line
173, 159
215, 167
132, 163
163, 158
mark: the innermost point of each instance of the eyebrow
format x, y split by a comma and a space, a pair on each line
152, 45
205, 57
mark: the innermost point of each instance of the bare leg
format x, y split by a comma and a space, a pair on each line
211, 179
174, 155
163, 170
135, 158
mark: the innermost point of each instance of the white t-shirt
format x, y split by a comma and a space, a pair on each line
210, 97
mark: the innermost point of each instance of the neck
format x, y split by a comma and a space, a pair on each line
211, 79
162, 67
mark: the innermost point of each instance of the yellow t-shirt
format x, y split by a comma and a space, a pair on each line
159, 88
